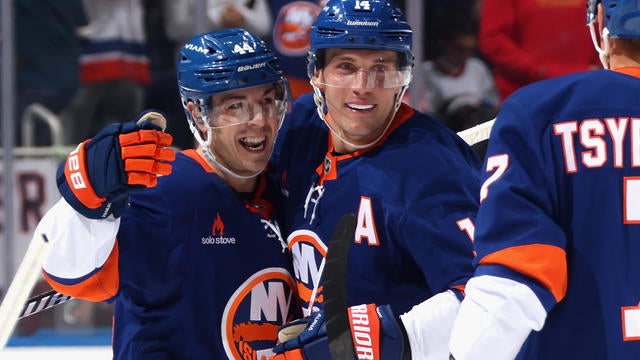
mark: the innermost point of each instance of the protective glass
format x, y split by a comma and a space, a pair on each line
237, 111
351, 77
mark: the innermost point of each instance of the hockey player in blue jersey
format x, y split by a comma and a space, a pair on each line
353, 147
558, 229
195, 263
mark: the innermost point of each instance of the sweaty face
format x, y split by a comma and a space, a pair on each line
245, 127
359, 110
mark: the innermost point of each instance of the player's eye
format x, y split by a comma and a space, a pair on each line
346, 68
235, 107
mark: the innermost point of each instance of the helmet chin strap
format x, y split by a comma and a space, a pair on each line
318, 98
205, 145
603, 52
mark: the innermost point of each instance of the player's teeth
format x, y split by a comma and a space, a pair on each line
360, 107
252, 140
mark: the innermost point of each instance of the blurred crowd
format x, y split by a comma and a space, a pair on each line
92, 62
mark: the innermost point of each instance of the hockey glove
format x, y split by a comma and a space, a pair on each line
98, 175
377, 334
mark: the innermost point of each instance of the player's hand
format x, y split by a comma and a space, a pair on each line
376, 332
98, 175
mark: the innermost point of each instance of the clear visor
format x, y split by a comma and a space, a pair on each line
372, 79
239, 110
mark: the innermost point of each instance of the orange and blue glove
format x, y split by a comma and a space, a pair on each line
97, 177
376, 333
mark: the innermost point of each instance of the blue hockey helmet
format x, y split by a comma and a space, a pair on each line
621, 17
224, 60
360, 24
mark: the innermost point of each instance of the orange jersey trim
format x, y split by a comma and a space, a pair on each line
192, 153
101, 286
631, 71
546, 264
460, 288
403, 114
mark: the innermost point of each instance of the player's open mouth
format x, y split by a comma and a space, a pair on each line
253, 143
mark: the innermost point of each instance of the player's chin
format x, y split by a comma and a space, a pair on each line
256, 164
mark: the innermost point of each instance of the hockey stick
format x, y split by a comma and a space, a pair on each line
335, 290
42, 302
477, 133
21, 285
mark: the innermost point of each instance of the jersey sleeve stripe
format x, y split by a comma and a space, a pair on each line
100, 286
544, 263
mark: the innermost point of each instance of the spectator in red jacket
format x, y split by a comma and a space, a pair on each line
523, 42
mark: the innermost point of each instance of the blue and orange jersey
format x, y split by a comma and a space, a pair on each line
197, 271
415, 195
560, 211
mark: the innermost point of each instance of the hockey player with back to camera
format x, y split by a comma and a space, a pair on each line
193, 259
557, 230
352, 146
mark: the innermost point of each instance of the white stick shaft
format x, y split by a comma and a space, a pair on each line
23, 282
477, 133
315, 288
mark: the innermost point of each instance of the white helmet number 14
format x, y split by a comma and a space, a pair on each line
362, 5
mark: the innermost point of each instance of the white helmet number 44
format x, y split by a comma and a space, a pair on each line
245, 48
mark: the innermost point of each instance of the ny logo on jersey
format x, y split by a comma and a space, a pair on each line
362, 5
255, 312
308, 252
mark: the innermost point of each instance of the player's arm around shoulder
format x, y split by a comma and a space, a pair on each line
95, 182
82, 250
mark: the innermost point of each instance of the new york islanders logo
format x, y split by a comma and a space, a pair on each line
308, 253
255, 312
292, 27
